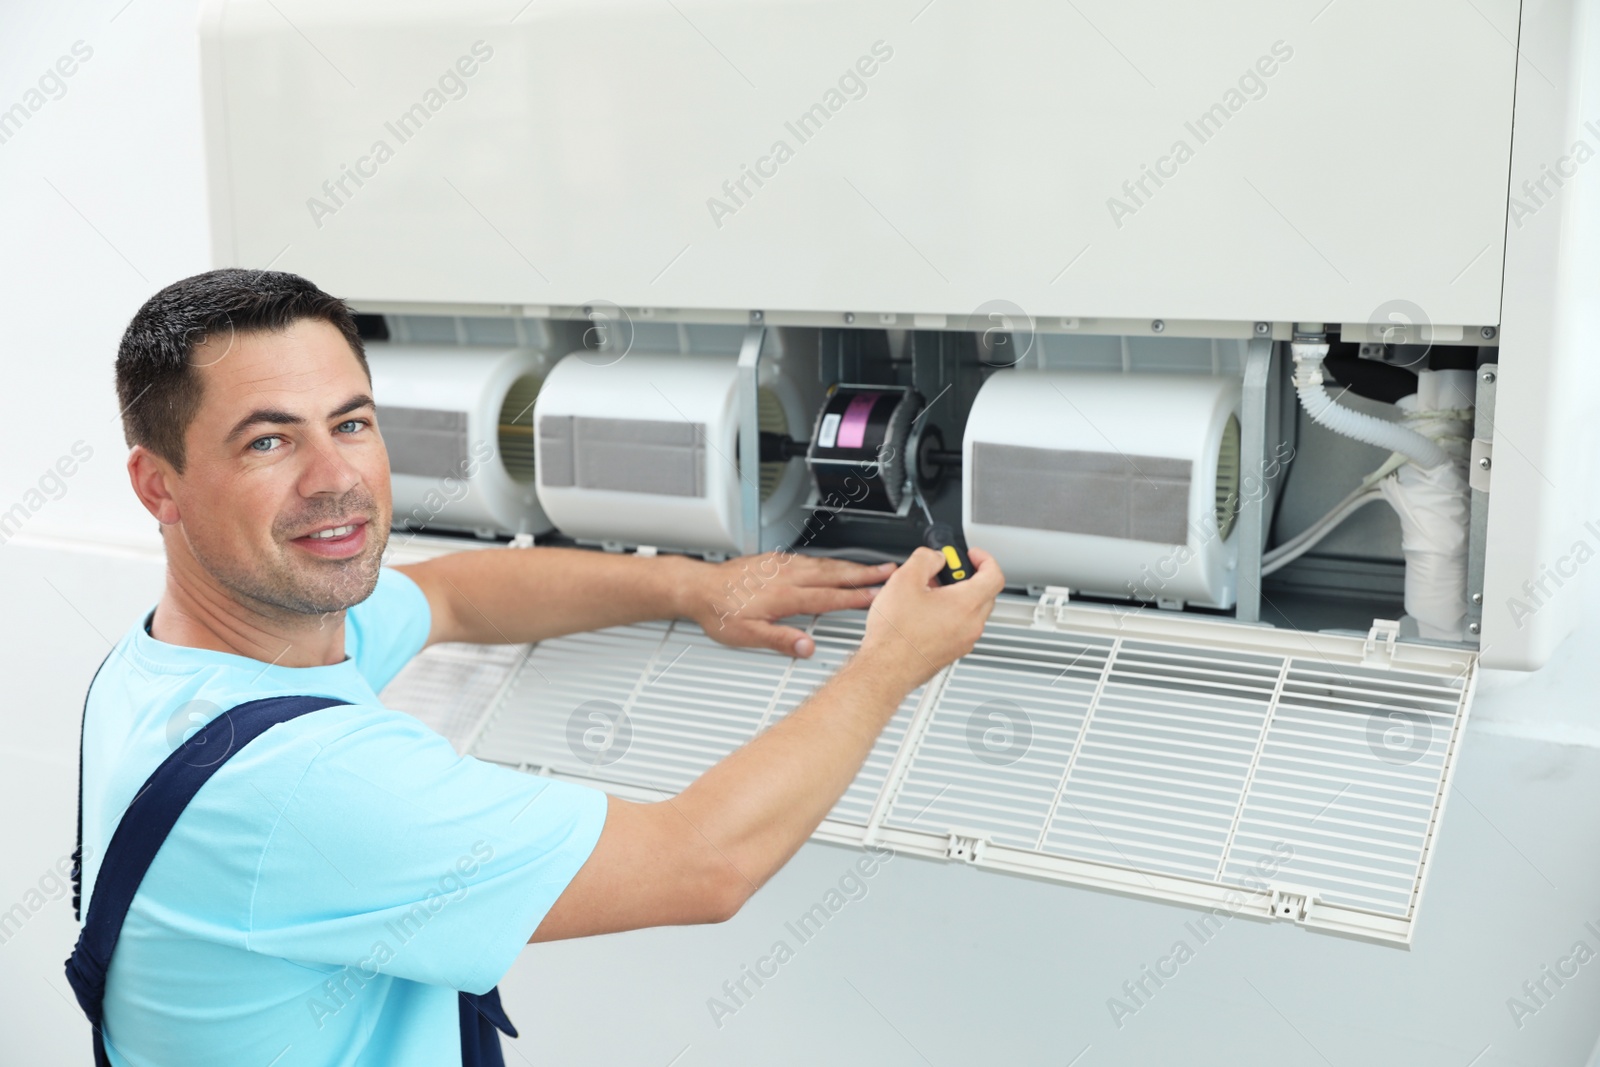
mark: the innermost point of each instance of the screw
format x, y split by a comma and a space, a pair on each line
849, 317
1487, 376
1487, 332
1477, 598
1156, 326
1262, 329
755, 316
1474, 628
1484, 462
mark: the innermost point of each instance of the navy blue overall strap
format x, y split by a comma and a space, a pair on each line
144, 828
483, 1020
77, 850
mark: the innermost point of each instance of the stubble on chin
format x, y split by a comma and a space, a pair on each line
305, 586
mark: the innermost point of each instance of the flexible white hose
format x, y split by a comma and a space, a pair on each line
1430, 493
1312, 535
1434, 505
1308, 382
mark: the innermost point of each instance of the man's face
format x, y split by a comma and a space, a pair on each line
285, 446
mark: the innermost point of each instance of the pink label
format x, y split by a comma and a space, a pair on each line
853, 430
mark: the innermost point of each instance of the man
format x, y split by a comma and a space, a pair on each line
334, 884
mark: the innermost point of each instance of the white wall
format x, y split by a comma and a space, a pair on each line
102, 201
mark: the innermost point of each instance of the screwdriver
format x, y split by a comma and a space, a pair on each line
943, 539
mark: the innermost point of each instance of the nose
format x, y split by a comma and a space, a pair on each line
327, 472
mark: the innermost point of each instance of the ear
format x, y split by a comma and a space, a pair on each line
153, 479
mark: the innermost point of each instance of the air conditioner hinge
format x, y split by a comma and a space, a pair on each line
964, 847
1290, 903
1379, 647
1051, 610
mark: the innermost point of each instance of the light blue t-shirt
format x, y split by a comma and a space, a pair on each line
336, 882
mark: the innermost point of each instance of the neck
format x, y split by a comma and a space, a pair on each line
197, 612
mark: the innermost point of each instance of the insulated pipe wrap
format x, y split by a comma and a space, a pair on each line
1434, 504
1430, 494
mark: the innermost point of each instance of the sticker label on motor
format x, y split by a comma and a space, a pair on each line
830, 430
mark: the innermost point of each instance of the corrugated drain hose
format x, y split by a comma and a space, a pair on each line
1308, 382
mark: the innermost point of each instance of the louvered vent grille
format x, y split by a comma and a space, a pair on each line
1169, 757
452, 687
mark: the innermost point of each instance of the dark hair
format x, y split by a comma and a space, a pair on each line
158, 386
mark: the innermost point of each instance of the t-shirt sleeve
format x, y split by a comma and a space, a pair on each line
395, 855
385, 630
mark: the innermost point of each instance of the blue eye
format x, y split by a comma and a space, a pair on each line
255, 445
357, 423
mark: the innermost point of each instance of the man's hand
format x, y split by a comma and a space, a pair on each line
697, 857
740, 602
917, 626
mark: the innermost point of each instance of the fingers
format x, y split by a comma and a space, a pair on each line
816, 601
986, 579
819, 571
921, 568
988, 575
784, 639
818, 585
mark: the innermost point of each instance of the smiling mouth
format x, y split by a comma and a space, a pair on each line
334, 533
335, 542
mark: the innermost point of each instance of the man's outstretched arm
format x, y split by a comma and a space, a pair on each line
510, 596
698, 856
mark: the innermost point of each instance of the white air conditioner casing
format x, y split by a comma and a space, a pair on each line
642, 453
1121, 502
643, 447
434, 156
458, 459
986, 155
1379, 167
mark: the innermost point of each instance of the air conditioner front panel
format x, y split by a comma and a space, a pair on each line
1346, 165
1170, 757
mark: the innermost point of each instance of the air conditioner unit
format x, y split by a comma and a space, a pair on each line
1178, 357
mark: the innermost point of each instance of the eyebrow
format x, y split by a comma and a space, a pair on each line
284, 418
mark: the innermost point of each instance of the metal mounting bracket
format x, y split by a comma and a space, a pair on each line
750, 435
1482, 465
